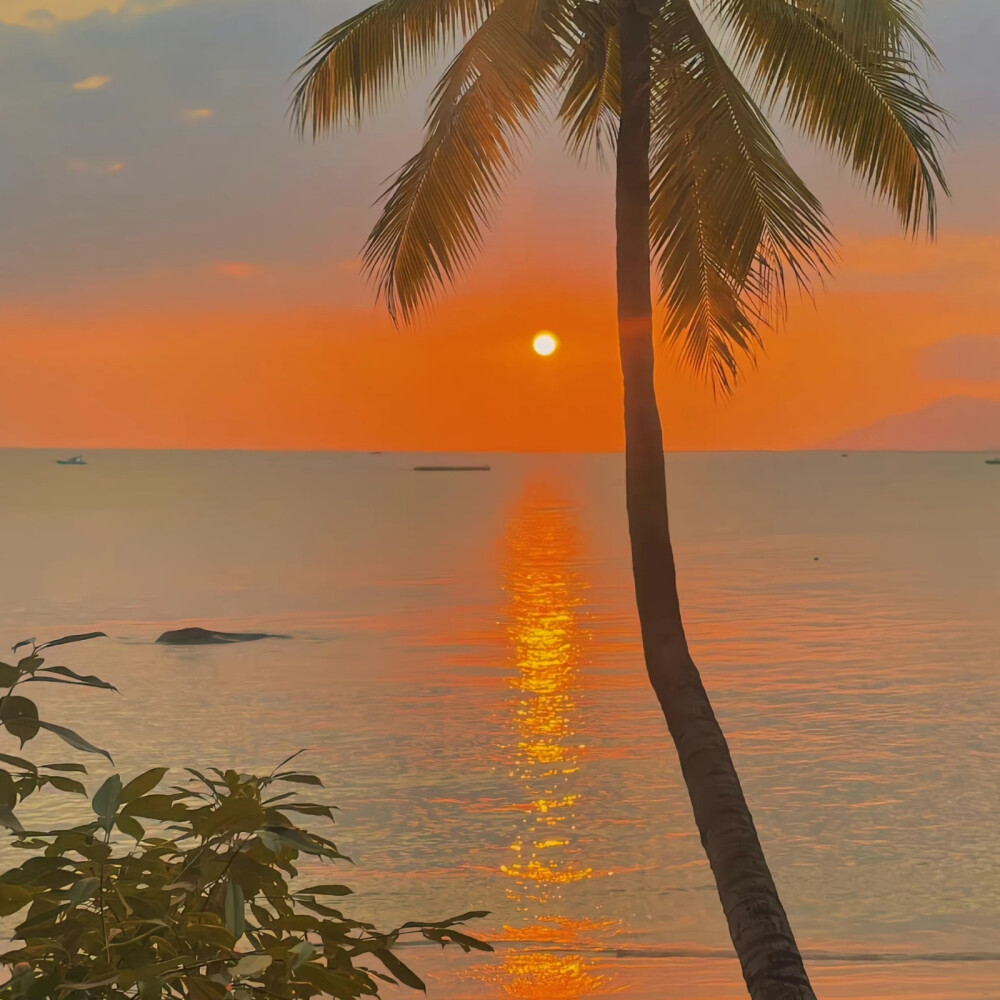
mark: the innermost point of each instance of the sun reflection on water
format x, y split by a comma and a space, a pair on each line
547, 638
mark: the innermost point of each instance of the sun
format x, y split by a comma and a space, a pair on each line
545, 343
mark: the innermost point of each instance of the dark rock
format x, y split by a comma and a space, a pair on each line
209, 637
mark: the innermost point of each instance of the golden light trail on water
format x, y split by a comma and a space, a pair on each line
546, 638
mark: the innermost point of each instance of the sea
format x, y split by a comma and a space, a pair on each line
462, 668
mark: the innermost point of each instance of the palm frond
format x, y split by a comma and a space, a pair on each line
591, 81
704, 309
354, 67
437, 205
730, 218
843, 72
876, 24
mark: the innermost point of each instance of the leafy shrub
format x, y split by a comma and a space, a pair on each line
19, 716
161, 893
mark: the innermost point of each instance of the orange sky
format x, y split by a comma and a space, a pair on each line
281, 377
200, 290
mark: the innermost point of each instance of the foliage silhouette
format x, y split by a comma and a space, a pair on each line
185, 890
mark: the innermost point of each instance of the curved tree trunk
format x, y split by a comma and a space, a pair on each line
763, 940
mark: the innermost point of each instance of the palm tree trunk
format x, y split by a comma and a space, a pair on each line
758, 925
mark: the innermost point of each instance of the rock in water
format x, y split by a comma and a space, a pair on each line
209, 637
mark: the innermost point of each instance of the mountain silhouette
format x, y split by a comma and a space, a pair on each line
959, 423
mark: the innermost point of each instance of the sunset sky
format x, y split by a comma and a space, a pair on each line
178, 270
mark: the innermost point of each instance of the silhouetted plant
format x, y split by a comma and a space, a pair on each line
200, 904
19, 716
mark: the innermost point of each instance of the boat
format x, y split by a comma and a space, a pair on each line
993, 461
75, 460
451, 468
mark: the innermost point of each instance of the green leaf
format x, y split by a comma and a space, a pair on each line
79, 768
262, 916
310, 809
310, 903
205, 781
200, 988
8, 791
23, 642
29, 664
330, 983
277, 798
91, 984
87, 679
302, 951
20, 716
235, 913
91, 680
234, 815
158, 806
297, 922
9, 820
270, 841
150, 989
130, 827
219, 937
143, 783
400, 970
18, 762
83, 890
54, 680
8, 674
81, 637
325, 890
464, 941
471, 915
291, 757
75, 740
301, 779
66, 784
299, 840
13, 898
106, 801
250, 965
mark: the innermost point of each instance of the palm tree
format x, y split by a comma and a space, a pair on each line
704, 193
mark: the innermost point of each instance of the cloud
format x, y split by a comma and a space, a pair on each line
75, 165
92, 83
971, 357
39, 18
958, 260
29, 14
236, 269
198, 114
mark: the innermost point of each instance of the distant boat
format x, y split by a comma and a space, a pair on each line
75, 460
843, 454
451, 468
993, 461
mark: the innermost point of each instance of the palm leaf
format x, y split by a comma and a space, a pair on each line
878, 24
591, 80
730, 217
843, 71
354, 67
436, 207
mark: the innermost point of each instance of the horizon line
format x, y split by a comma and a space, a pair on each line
211, 449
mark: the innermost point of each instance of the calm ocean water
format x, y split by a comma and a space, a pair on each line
463, 666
